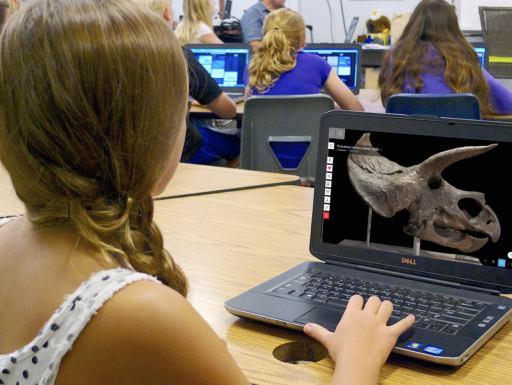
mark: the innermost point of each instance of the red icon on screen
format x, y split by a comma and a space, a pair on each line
329, 167
326, 215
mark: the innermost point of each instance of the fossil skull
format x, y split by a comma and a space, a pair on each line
432, 202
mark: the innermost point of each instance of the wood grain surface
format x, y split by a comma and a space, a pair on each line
228, 243
10, 204
194, 179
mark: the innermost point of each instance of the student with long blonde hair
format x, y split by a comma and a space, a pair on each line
280, 67
196, 26
433, 57
88, 293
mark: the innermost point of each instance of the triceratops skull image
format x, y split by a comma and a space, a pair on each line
432, 202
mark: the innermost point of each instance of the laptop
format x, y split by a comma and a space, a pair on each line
482, 50
351, 30
345, 59
411, 209
226, 64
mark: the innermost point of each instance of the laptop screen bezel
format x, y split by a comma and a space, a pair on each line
466, 274
486, 56
212, 47
343, 46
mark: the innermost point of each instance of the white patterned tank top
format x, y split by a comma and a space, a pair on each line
39, 361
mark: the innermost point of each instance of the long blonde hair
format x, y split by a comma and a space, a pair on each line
91, 109
284, 30
194, 12
157, 6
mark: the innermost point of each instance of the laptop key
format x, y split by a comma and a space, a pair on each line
422, 325
452, 329
338, 302
321, 298
307, 296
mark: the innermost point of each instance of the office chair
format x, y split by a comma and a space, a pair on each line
280, 133
496, 31
464, 106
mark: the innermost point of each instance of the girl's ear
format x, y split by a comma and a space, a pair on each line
303, 44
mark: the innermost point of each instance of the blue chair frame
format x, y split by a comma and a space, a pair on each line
463, 106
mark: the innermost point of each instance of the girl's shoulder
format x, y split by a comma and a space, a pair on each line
203, 29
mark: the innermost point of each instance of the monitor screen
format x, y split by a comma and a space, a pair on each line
481, 52
343, 61
225, 65
441, 198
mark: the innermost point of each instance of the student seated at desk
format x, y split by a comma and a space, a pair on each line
433, 57
196, 26
202, 145
280, 67
88, 293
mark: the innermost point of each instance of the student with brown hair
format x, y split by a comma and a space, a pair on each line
280, 67
433, 57
88, 293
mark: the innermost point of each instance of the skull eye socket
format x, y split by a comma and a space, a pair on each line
472, 206
434, 182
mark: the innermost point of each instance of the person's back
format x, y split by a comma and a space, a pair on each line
196, 26
87, 143
280, 67
433, 57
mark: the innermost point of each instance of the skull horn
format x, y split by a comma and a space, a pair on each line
438, 162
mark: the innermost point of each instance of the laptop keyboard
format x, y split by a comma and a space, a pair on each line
435, 312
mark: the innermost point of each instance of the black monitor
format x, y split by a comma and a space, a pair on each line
482, 50
345, 59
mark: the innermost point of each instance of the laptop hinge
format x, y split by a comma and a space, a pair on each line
414, 277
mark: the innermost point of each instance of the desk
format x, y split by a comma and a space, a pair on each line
193, 179
10, 204
228, 243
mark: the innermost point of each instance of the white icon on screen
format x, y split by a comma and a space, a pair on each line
328, 176
330, 159
327, 191
331, 146
509, 255
329, 167
328, 183
327, 199
327, 207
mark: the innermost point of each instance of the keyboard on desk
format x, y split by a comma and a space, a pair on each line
432, 311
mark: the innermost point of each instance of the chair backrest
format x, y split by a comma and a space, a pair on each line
497, 29
463, 106
280, 133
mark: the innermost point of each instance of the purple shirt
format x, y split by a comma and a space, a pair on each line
501, 96
308, 76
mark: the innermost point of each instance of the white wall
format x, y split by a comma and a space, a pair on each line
469, 16
316, 13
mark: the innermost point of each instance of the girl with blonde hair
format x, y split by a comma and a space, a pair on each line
280, 67
88, 293
196, 26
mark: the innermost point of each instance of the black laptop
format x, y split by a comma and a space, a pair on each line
413, 210
226, 64
345, 60
482, 50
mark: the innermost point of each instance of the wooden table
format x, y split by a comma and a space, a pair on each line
193, 179
228, 243
10, 204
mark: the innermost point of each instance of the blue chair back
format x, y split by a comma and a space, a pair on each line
463, 106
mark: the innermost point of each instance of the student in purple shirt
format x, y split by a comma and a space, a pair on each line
281, 68
433, 57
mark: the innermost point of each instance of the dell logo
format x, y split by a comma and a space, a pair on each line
409, 261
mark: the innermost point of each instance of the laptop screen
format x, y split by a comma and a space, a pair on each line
343, 60
481, 50
424, 198
481, 55
225, 65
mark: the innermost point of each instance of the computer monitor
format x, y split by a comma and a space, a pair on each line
351, 29
225, 63
482, 50
345, 59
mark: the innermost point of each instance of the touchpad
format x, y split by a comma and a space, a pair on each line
321, 316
